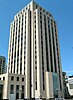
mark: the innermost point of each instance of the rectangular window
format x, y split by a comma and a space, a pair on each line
36, 85
11, 89
3, 78
17, 91
71, 86
17, 88
1, 88
12, 78
22, 79
17, 78
1, 91
22, 95
17, 96
23, 88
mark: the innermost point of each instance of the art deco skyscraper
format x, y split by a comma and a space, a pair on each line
34, 51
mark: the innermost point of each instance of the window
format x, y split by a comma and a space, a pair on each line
47, 13
29, 6
35, 56
22, 96
23, 10
36, 85
36, 6
43, 10
11, 89
17, 96
12, 78
26, 8
17, 78
71, 86
0, 61
1, 92
17, 88
22, 88
50, 15
22, 79
1, 88
35, 41
40, 8
35, 62
3, 78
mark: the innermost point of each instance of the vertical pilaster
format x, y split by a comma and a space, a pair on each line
52, 47
27, 66
32, 53
38, 56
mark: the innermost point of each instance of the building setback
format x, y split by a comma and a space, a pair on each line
34, 52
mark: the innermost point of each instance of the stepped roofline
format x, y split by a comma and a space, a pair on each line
38, 6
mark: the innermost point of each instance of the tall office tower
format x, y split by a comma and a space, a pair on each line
2, 64
34, 52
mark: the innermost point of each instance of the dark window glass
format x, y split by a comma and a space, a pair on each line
17, 88
17, 78
23, 88
11, 89
22, 79
3, 78
36, 85
1, 92
22, 95
12, 78
17, 95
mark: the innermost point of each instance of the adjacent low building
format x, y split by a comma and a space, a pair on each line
12, 86
65, 88
70, 85
2, 65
